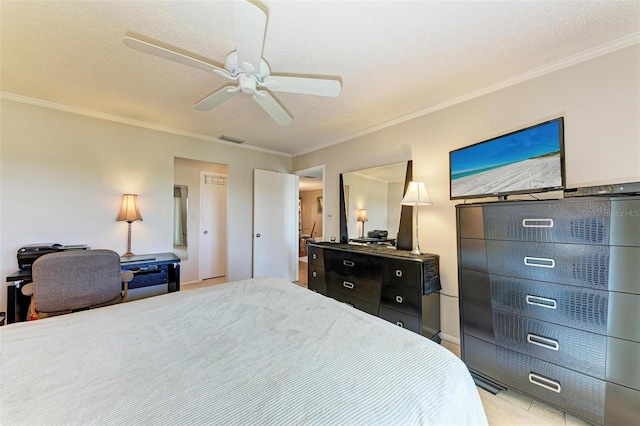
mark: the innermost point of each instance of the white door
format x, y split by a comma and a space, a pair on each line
275, 225
213, 225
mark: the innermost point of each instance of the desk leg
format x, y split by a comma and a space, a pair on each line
17, 303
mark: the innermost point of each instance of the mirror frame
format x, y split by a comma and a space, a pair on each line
404, 239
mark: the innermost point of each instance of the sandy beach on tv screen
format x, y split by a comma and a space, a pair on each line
534, 173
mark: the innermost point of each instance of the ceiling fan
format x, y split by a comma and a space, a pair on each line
245, 66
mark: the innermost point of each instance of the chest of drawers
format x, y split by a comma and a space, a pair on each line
395, 285
550, 302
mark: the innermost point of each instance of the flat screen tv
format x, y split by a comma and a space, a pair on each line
526, 161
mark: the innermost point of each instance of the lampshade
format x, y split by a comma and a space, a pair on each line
129, 210
362, 215
416, 194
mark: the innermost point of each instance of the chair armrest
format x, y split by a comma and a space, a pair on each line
126, 278
27, 289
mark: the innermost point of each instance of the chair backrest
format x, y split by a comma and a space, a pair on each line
76, 279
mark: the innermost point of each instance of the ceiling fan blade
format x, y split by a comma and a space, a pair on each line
307, 86
272, 107
250, 22
215, 99
152, 49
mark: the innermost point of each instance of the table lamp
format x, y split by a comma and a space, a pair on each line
362, 217
416, 195
129, 212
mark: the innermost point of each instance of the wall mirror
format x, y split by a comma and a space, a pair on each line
180, 216
379, 191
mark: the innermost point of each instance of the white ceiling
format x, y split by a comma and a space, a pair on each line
395, 59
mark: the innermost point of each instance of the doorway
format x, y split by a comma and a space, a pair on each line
310, 214
187, 176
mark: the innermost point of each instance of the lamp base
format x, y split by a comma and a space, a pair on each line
416, 250
128, 254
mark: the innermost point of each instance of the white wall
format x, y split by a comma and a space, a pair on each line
600, 100
63, 176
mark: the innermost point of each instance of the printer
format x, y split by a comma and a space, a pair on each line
29, 253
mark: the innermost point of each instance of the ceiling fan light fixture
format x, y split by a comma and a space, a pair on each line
247, 84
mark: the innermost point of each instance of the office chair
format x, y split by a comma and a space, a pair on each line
75, 280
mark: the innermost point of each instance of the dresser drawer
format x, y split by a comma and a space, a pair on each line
575, 307
621, 406
353, 264
625, 222
316, 279
405, 299
623, 363
583, 222
363, 305
575, 349
339, 285
401, 273
477, 321
575, 392
579, 265
401, 319
315, 255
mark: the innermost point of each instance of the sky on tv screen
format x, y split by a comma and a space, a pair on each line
519, 146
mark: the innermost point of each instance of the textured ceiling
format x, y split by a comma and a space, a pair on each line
394, 58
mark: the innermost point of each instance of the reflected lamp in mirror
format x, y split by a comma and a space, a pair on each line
416, 196
129, 212
362, 217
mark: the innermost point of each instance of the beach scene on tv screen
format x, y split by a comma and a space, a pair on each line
524, 161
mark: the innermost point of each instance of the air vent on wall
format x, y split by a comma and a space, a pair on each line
231, 139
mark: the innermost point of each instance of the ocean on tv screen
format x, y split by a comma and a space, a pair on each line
526, 160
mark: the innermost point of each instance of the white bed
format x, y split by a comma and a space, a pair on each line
253, 352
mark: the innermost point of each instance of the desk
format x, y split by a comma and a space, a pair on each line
149, 270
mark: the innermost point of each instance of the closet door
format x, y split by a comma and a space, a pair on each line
275, 225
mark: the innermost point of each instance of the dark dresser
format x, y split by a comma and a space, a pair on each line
550, 302
395, 285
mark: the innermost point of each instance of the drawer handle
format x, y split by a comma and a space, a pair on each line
348, 285
400, 324
399, 299
537, 223
541, 301
534, 339
348, 263
314, 274
314, 256
543, 382
398, 273
539, 262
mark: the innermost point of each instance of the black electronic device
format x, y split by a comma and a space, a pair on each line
631, 188
377, 233
29, 253
526, 161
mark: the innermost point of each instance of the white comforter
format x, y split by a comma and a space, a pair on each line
254, 352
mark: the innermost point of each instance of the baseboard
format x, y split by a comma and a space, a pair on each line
451, 339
